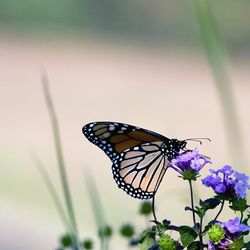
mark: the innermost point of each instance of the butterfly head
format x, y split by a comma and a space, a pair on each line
178, 145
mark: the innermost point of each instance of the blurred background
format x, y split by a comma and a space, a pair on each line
140, 62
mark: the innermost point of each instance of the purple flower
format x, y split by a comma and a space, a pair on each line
189, 163
220, 188
227, 170
211, 181
234, 226
227, 182
241, 184
223, 234
224, 244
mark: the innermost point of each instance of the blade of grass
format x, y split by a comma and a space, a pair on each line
215, 55
96, 206
59, 154
54, 195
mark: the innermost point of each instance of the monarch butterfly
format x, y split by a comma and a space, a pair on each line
140, 157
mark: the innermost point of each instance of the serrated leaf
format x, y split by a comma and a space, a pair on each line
188, 235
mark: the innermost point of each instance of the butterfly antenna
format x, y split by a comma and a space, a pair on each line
198, 139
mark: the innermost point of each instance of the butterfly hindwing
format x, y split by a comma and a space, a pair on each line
139, 170
113, 138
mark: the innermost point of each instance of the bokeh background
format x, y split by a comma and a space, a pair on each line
141, 62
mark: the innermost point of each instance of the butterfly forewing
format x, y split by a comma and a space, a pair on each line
113, 138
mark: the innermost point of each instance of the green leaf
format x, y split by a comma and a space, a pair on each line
239, 205
193, 210
210, 203
237, 244
247, 245
147, 242
59, 154
188, 208
195, 245
188, 235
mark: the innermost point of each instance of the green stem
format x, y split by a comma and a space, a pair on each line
215, 56
96, 206
192, 201
241, 216
106, 243
62, 169
221, 207
200, 232
153, 208
52, 191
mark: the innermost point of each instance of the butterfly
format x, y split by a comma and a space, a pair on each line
140, 157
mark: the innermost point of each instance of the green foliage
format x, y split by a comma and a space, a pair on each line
239, 205
60, 157
127, 230
188, 235
210, 203
105, 231
247, 245
195, 245
145, 208
216, 234
133, 18
88, 244
166, 243
237, 244
190, 175
66, 240
147, 241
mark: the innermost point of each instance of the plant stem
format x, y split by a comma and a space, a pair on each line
106, 244
52, 191
153, 207
215, 56
221, 207
200, 232
62, 169
192, 200
241, 216
96, 206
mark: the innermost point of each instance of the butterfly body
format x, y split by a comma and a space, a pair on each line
140, 157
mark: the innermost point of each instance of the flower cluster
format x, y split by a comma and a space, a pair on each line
225, 235
227, 182
189, 163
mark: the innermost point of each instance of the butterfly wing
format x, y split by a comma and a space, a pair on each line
139, 170
140, 157
114, 138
